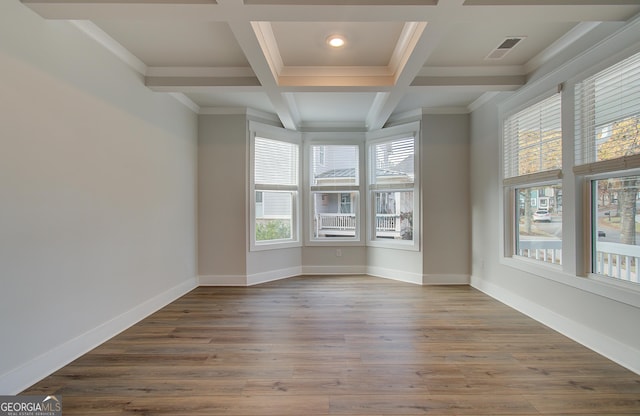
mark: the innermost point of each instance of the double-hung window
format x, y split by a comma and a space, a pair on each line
532, 162
608, 156
334, 192
393, 191
275, 189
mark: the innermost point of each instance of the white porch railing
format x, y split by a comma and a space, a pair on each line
549, 251
615, 260
618, 260
337, 221
388, 222
345, 224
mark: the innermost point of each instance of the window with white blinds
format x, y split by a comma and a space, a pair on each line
607, 118
532, 140
392, 190
532, 152
334, 165
275, 164
392, 163
275, 183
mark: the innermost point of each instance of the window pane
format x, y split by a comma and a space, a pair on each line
334, 165
608, 113
334, 214
394, 215
274, 219
539, 223
276, 162
393, 162
618, 138
533, 139
615, 227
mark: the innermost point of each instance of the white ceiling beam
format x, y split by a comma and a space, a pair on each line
235, 82
246, 38
496, 81
385, 105
344, 2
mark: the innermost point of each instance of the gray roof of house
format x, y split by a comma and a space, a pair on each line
351, 172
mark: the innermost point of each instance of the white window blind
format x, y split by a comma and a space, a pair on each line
608, 119
276, 164
393, 163
334, 165
532, 140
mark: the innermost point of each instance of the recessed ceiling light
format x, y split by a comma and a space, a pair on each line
335, 41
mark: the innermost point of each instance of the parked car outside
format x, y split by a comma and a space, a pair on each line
542, 215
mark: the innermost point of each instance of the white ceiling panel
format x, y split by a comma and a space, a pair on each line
367, 44
468, 45
334, 107
179, 43
434, 98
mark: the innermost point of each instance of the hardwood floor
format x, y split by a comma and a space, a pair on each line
347, 345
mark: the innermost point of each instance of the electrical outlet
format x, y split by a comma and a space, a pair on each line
338, 252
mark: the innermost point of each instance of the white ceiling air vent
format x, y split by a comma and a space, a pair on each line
505, 47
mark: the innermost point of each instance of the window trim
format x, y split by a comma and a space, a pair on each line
401, 131
256, 129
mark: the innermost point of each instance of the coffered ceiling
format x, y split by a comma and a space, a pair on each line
223, 56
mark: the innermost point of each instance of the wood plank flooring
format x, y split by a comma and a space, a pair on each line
341, 345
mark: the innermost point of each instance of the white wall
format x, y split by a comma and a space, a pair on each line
602, 316
97, 183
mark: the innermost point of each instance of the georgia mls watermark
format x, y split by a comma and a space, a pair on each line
30, 405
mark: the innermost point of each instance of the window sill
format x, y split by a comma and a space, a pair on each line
610, 288
274, 246
333, 243
395, 244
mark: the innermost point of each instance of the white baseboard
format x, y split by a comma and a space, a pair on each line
273, 275
445, 279
336, 270
18, 379
623, 354
222, 280
392, 274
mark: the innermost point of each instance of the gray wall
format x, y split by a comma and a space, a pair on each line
222, 195
98, 190
445, 197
